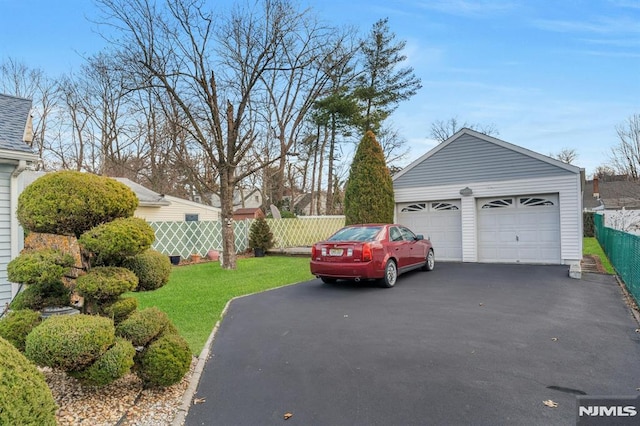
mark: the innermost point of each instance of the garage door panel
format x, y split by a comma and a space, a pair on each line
526, 229
440, 221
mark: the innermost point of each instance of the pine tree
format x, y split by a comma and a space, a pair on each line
381, 85
368, 195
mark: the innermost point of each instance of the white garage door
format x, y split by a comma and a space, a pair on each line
519, 229
439, 221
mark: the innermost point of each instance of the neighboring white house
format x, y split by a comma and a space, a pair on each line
480, 199
618, 199
154, 207
16, 135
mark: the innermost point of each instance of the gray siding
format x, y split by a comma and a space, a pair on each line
471, 159
5, 232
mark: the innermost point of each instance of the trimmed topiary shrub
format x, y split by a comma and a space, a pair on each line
164, 362
25, 398
17, 325
70, 342
37, 297
106, 283
39, 267
152, 269
120, 309
42, 271
143, 326
70, 203
111, 243
115, 363
368, 196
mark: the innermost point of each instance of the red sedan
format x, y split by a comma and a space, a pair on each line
372, 251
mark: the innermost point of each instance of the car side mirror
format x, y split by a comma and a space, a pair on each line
419, 237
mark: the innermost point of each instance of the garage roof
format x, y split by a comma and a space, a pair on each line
472, 156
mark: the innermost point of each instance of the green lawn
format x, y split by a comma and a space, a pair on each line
195, 295
591, 246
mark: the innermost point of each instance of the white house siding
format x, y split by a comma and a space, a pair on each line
5, 232
567, 186
177, 210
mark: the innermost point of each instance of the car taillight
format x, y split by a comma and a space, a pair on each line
366, 252
314, 251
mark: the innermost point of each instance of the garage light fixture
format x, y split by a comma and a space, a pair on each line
466, 191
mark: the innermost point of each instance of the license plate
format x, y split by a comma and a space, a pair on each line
335, 252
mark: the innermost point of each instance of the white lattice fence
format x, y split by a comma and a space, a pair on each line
187, 238
303, 231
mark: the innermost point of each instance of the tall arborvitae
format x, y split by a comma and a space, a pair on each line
368, 196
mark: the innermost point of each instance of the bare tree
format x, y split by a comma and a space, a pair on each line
19, 80
566, 155
441, 130
209, 66
625, 157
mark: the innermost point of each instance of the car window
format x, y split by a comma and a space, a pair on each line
356, 233
407, 234
394, 234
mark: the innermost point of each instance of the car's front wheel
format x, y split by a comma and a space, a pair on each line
430, 262
327, 280
390, 274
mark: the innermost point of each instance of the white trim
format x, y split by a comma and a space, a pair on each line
12, 155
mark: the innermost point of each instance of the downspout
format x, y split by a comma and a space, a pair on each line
22, 166
14, 226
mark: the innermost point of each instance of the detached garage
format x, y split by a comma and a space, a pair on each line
480, 199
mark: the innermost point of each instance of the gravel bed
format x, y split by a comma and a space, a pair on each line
122, 403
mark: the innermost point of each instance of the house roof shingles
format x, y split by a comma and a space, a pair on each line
14, 115
614, 194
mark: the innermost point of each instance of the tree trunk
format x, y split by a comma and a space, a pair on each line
226, 201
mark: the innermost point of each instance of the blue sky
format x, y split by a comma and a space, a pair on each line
548, 74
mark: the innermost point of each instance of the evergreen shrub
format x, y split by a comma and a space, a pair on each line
165, 361
25, 398
152, 269
112, 365
70, 203
111, 243
106, 283
260, 235
368, 196
143, 326
70, 342
16, 325
120, 309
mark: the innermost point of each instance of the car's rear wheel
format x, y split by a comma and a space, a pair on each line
390, 274
327, 280
430, 262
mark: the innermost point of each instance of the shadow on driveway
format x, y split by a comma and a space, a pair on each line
464, 344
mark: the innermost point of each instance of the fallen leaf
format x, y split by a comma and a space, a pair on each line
198, 400
555, 339
550, 403
287, 416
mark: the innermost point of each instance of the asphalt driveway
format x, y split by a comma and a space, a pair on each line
465, 344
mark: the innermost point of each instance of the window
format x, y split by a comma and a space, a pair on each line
535, 202
191, 217
497, 204
407, 234
414, 207
394, 234
443, 206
